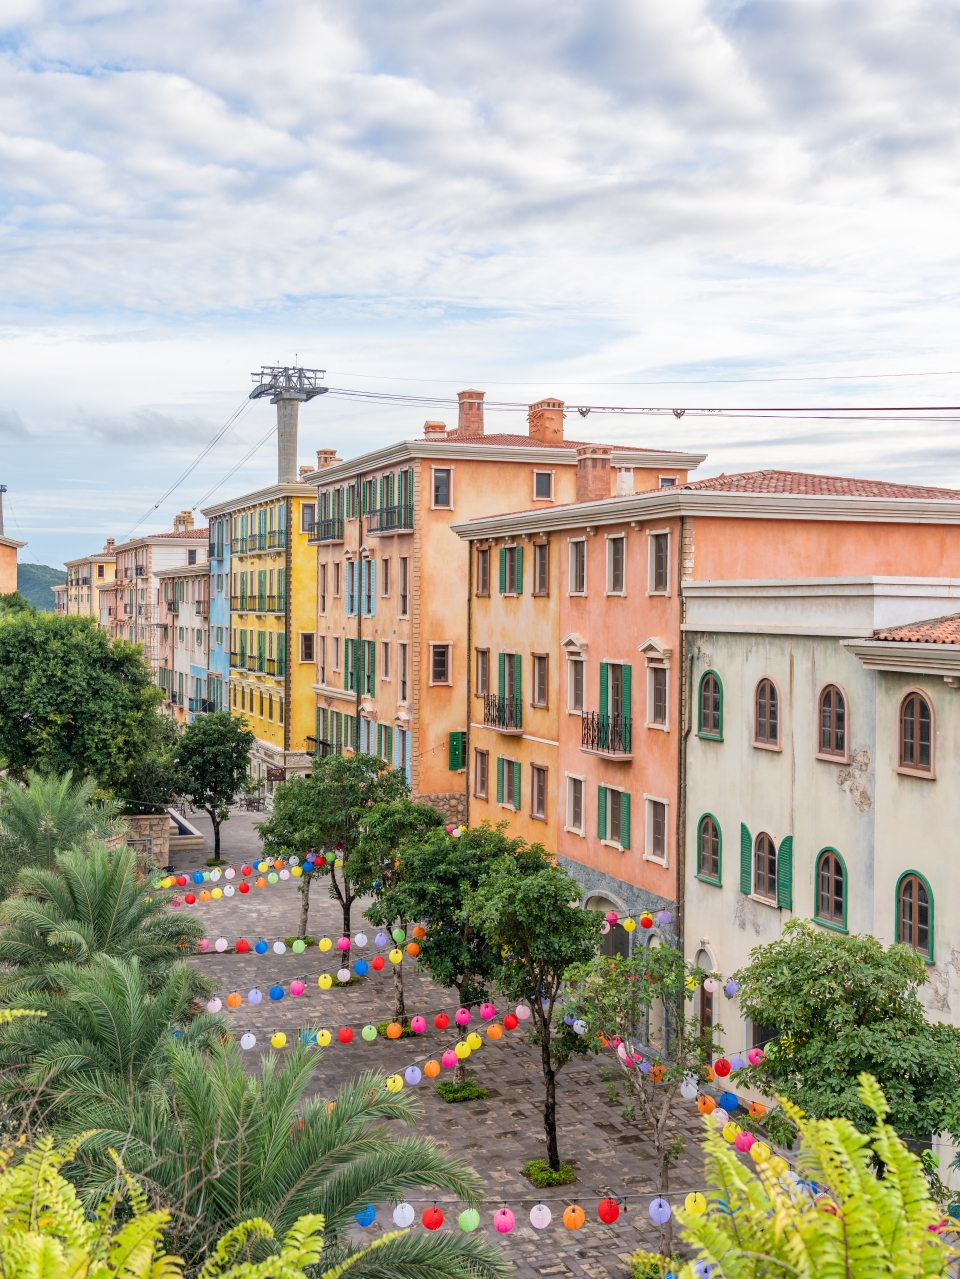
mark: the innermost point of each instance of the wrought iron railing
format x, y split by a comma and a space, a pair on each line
320, 749
326, 530
202, 706
390, 519
609, 734
502, 712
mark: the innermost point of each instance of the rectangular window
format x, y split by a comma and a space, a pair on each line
615, 813
441, 488
336, 652
308, 516
336, 579
480, 773
191, 557
578, 568
543, 486
615, 562
511, 570
402, 691
656, 830
657, 708
659, 573
538, 792
219, 634
483, 571
667, 481
219, 583
541, 569
404, 585
575, 804
270, 706
483, 672
384, 659
322, 649
439, 663
306, 646
385, 578
540, 681
323, 588
100, 570
511, 783
575, 677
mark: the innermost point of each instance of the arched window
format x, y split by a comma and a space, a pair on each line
833, 722
768, 719
711, 706
765, 867
708, 855
916, 735
831, 889
915, 914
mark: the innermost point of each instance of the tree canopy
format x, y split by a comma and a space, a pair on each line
212, 758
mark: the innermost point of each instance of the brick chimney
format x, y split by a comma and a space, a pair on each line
326, 457
545, 422
109, 547
183, 522
470, 421
305, 470
434, 428
594, 473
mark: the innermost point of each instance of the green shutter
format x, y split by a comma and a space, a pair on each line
503, 569
624, 820
746, 861
627, 687
601, 812
604, 687
455, 751
517, 676
785, 873
516, 785
372, 667
502, 676
360, 653
337, 731
519, 570
499, 779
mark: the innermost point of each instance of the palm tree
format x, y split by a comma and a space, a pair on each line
221, 1146
90, 902
48, 816
103, 1035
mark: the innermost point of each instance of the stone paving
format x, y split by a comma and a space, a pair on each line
497, 1135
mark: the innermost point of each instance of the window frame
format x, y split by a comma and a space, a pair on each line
649, 855
572, 661
386, 672
481, 664
709, 673
550, 477
535, 700
482, 581
574, 779
479, 754
754, 891
385, 576
541, 559
436, 645
572, 590
822, 920
308, 516
833, 757
926, 955
914, 770
434, 472
758, 742
538, 772
611, 589
403, 672
652, 535
403, 595
700, 874
511, 562
653, 668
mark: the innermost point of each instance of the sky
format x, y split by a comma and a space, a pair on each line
618, 202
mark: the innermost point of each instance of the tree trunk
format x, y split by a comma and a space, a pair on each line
550, 1097
460, 1074
305, 881
399, 1007
347, 903
661, 1141
216, 834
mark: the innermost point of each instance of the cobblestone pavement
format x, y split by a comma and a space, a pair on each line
497, 1135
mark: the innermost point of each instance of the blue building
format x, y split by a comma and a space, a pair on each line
218, 677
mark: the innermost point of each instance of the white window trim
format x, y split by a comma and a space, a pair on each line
650, 723
571, 658
611, 537
442, 683
651, 567
533, 482
385, 644
674, 481
614, 843
511, 808
433, 505
539, 817
648, 801
576, 830
310, 661
570, 591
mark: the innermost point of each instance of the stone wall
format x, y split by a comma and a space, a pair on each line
628, 899
453, 805
154, 828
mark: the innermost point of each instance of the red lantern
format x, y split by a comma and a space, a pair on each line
608, 1210
181, 880
432, 1218
246, 870
189, 898
511, 1022
345, 1035
242, 946
244, 887
722, 1067
441, 1021
377, 963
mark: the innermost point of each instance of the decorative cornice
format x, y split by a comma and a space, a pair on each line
338, 694
261, 495
11, 541
919, 659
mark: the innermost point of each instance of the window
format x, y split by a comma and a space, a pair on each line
575, 684
543, 486
657, 695
441, 488
916, 738
219, 634
710, 707
270, 706
483, 570
616, 814
404, 585
575, 804
659, 570
508, 782
765, 868
483, 672
538, 792
384, 659
767, 731
336, 652
667, 481
336, 579
708, 849
402, 691
833, 723
915, 914
615, 558
541, 569
99, 570
613, 816
323, 588
540, 681
308, 516
439, 663
831, 890
306, 646
219, 583
199, 639
511, 570
481, 773
323, 659
385, 578
191, 557
578, 568
656, 850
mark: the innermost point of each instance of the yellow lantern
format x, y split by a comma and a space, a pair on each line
324, 981
325, 944
759, 1152
262, 865
695, 1204
474, 1041
462, 1049
396, 955
394, 1083
296, 871
217, 894
731, 1131
323, 1038
629, 925
279, 1039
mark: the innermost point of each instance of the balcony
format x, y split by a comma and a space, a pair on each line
235, 660
258, 603
503, 713
253, 543
390, 519
203, 608
319, 749
607, 735
140, 570
173, 607
178, 699
202, 706
326, 531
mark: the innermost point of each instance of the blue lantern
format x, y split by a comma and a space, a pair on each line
728, 1101
261, 947
366, 1216
198, 876
276, 992
361, 968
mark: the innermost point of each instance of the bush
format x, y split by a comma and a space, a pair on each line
406, 1033
467, 1091
308, 941
654, 1265
541, 1174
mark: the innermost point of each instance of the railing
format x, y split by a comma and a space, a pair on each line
390, 519
173, 607
326, 530
606, 734
258, 603
177, 698
255, 542
202, 706
215, 551
320, 749
128, 610
203, 608
251, 663
503, 712
140, 570
235, 660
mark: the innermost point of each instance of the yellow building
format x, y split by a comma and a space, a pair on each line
87, 578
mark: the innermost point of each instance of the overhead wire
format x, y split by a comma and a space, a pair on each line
246, 457
712, 381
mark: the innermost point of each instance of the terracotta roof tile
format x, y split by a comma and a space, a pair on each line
805, 483
526, 441
199, 533
939, 630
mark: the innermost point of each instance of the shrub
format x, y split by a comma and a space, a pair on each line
467, 1091
541, 1174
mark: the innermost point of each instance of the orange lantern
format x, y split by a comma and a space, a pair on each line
412, 948
330, 1107
657, 1073
419, 932
707, 1074
278, 864
234, 1000
432, 1069
705, 1104
261, 882
494, 1031
394, 1030
204, 896
574, 1217
756, 1110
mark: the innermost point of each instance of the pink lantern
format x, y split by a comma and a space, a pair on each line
504, 1220
462, 1017
523, 1012
175, 902
343, 943
604, 928
418, 1025
296, 988
755, 1056
612, 917
744, 1141
449, 1059
487, 1012
229, 873
203, 944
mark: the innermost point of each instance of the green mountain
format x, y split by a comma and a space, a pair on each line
36, 583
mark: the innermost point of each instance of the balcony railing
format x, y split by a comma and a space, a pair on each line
203, 608
255, 542
505, 713
235, 660
202, 706
320, 749
140, 570
390, 519
326, 530
215, 551
173, 607
178, 699
606, 734
258, 603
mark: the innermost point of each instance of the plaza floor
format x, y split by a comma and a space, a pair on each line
497, 1135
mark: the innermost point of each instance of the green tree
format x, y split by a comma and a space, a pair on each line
73, 701
858, 1226
533, 922
377, 865
222, 1145
48, 816
843, 1006
329, 810
13, 602
90, 902
153, 780
212, 756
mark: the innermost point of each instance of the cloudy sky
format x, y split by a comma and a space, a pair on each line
615, 201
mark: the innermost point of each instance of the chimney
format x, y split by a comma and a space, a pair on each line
470, 421
305, 470
109, 546
326, 457
545, 422
593, 472
434, 428
182, 522
624, 480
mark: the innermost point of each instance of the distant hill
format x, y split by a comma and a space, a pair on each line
36, 582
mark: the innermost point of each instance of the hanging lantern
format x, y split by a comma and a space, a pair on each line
711, 985
695, 1204
244, 887
343, 943
203, 945
279, 1039
343, 975
488, 1011
759, 1152
604, 928
394, 1030
246, 870
722, 1067
574, 1217
657, 1073
432, 1218
611, 917
729, 1102
744, 1141
663, 918
707, 1074
234, 1000
181, 881
419, 932
737, 1062
377, 963
396, 956
731, 988
474, 1041
688, 1090
218, 893
755, 1056
449, 1059
503, 1220
381, 939
272, 877
462, 1049
731, 1131
418, 1025
324, 1038
660, 1211
412, 949
403, 1215
261, 947
297, 988
254, 997
361, 968
247, 1041
705, 1104
324, 981
214, 1005
399, 935
462, 1017
394, 1083
540, 1216
229, 890
214, 876
523, 1012
175, 903
629, 924
579, 1027
510, 1022
229, 873
242, 946
189, 898
369, 1033
276, 992
494, 1031
756, 1110
299, 946
345, 1035
297, 871
608, 1210
366, 1216
441, 1021
412, 1075
469, 1220
284, 874
325, 944
431, 1069
646, 920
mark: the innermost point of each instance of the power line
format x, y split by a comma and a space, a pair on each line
246, 457
713, 381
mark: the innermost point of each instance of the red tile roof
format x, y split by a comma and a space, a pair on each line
526, 441
806, 483
939, 630
201, 533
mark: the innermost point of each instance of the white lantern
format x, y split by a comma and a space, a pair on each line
248, 1041
540, 1217
403, 1215
279, 948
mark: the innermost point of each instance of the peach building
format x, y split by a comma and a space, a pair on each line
8, 555
394, 658
89, 588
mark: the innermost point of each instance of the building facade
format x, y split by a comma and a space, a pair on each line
183, 674
218, 555
89, 588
